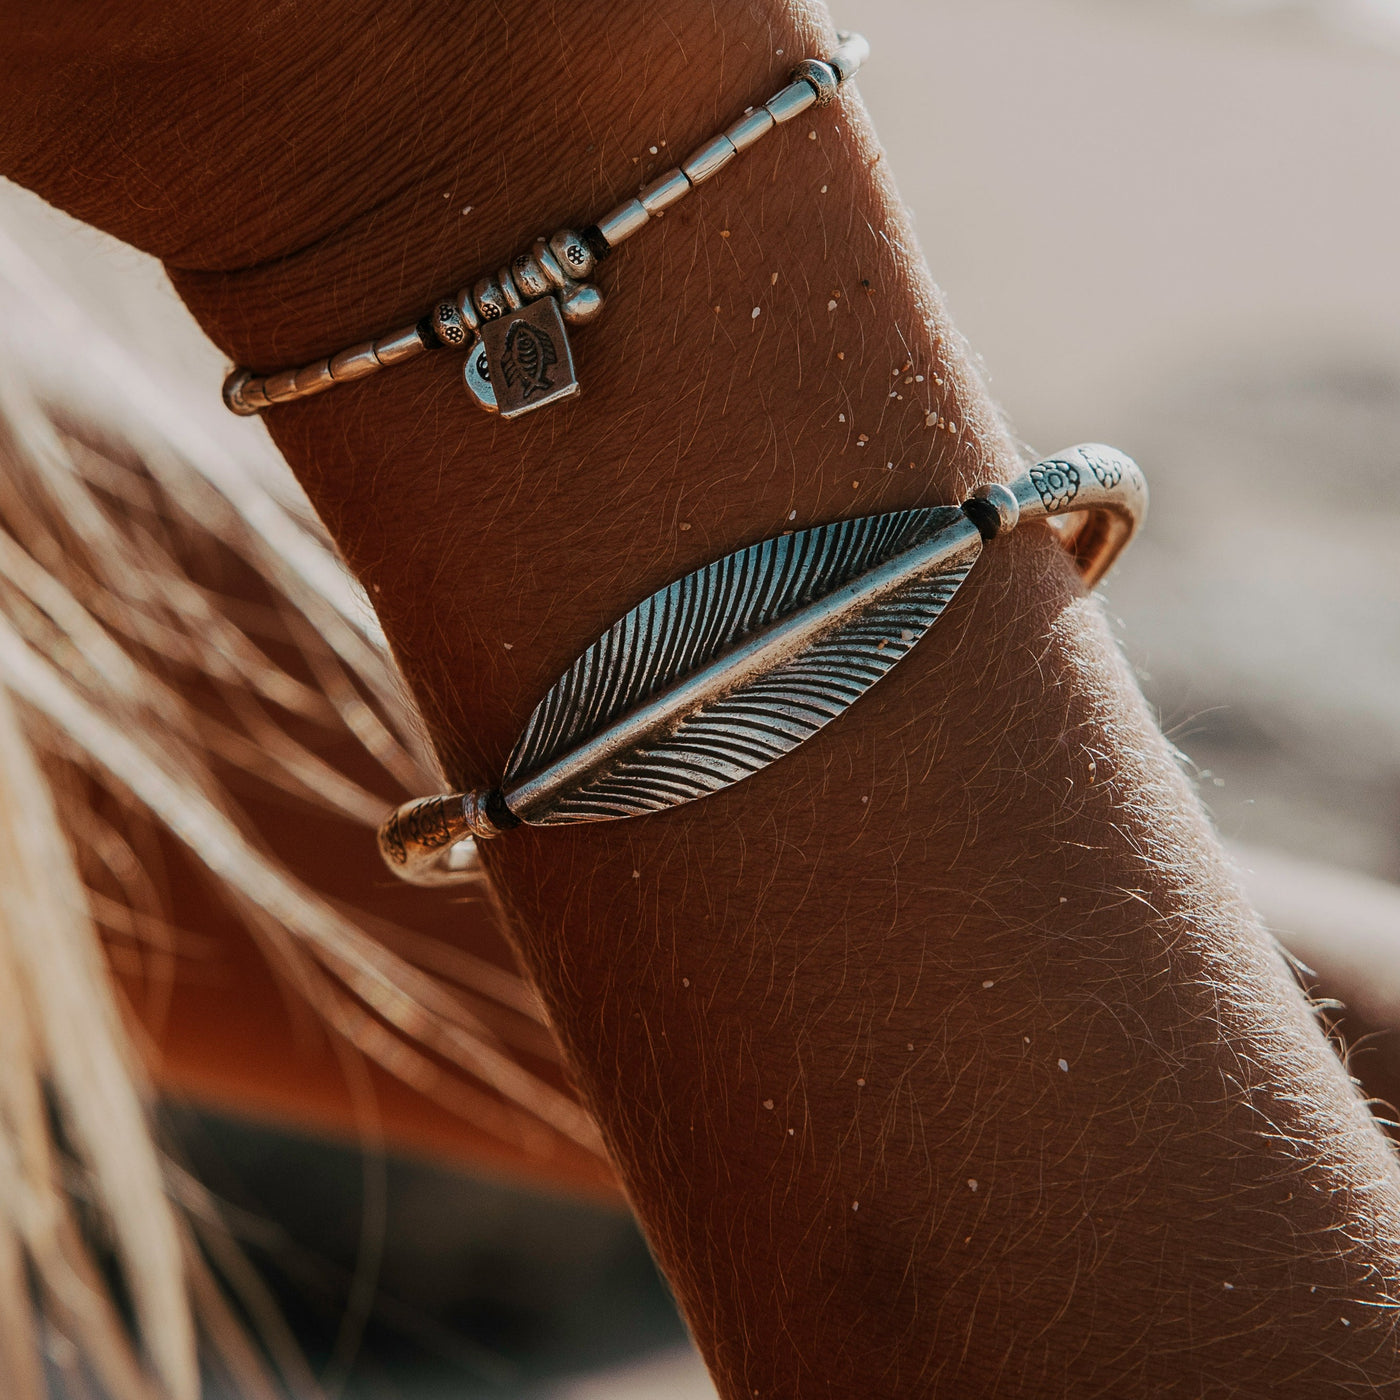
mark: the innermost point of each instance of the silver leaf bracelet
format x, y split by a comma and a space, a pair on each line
722, 672
512, 325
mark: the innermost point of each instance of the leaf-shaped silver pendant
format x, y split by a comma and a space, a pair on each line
734, 665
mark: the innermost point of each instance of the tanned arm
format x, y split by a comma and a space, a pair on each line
940, 1058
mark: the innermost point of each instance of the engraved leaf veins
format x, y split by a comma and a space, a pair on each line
658, 653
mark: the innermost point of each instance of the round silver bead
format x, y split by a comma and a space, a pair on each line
1004, 499
233, 393
549, 265
582, 304
530, 277
575, 256
448, 325
512, 293
822, 78
466, 309
490, 299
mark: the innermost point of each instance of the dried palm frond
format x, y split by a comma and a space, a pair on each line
170, 615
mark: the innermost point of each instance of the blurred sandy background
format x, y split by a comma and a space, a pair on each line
1173, 227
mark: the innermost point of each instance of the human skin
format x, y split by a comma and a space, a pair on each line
942, 1057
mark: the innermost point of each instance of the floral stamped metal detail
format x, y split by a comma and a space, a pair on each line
734, 665
1057, 481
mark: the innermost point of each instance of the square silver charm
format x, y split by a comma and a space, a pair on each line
528, 360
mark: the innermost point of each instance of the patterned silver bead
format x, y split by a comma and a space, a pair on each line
582, 304
476, 372
448, 325
575, 256
821, 77
490, 299
234, 399
549, 265
432, 842
529, 276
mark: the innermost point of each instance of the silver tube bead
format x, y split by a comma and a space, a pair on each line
314, 378
791, 102
821, 77
851, 52
711, 158
623, 222
398, 346
661, 194
354, 363
751, 127
281, 387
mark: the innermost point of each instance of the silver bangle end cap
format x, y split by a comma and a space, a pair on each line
821, 76
1002, 500
432, 841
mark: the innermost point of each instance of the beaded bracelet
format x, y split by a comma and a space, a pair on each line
512, 325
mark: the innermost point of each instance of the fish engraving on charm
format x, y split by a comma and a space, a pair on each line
528, 359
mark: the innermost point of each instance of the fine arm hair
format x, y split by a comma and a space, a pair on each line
944, 1056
